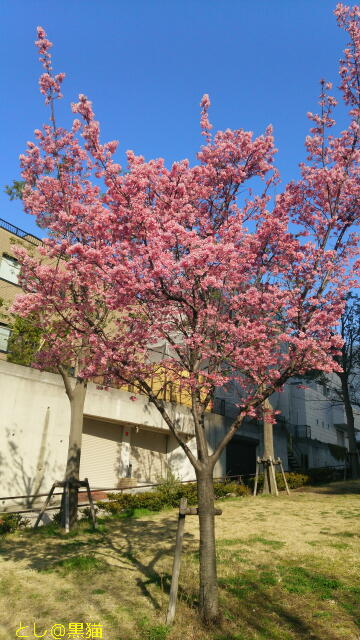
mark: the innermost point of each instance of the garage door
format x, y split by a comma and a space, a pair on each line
148, 455
100, 453
241, 456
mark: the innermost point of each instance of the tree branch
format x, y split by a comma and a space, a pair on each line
66, 379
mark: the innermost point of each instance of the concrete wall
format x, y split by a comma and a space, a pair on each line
118, 432
34, 424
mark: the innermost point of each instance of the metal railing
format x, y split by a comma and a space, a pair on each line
20, 233
303, 431
239, 479
130, 487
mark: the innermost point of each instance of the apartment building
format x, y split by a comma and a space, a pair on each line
312, 422
10, 236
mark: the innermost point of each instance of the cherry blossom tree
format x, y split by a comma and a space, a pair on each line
68, 289
240, 286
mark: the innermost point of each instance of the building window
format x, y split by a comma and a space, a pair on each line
4, 337
219, 406
9, 269
340, 438
304, 461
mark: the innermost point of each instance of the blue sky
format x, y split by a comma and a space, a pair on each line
146, 63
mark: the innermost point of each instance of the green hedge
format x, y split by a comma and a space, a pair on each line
10, 522
167, 494
294, 480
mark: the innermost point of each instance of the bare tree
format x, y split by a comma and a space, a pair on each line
347, 393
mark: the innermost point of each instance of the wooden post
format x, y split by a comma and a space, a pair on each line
283, 475
67, 510
93, 516
269, 469
66, 492
45, 505
256, 475
272, 471
176, 566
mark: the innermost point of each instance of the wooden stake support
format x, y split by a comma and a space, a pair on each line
184, 510
66, 486
268, 465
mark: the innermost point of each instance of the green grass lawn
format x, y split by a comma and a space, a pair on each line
288, 569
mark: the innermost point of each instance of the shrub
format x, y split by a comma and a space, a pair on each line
294, 480
232, 487
188, 491
222, 489
10, 522
86, 513
151, 500
56, 519
167, 494
169, 487
120, 502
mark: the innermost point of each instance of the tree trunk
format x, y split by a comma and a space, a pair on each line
353, 450
77, 402
268, 433
208, 595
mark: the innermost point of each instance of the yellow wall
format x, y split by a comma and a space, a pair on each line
167, 390
9, 290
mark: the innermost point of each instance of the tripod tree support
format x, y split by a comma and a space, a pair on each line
268, 465
66, 486
184, 510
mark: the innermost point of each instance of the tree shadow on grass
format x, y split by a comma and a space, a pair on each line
130, 544
297, 606
137, 555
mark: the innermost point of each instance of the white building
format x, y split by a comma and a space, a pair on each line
121, 437
311, 423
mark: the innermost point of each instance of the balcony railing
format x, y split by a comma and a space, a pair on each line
20, 233
302, 431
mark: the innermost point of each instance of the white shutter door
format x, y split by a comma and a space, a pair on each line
100, 453
148, 455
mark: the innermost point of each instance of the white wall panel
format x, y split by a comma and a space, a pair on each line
101, 453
